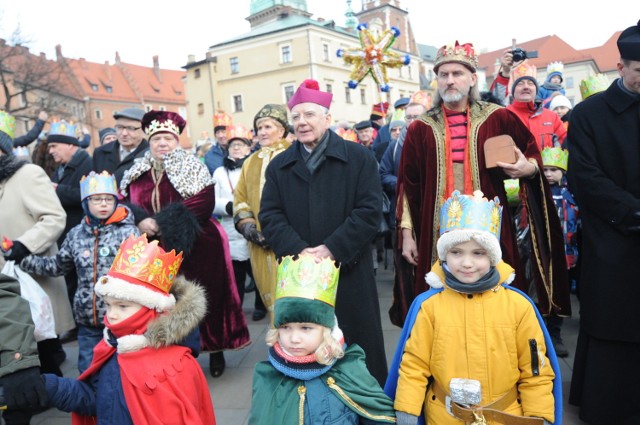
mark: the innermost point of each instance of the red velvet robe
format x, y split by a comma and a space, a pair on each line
208, 263
422, 177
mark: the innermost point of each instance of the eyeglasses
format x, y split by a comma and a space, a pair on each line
109, 200
130, 129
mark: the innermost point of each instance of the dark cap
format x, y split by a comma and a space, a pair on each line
629, 43
401, 103
105, 132
362, 125
130, 113
526, 77
242, 139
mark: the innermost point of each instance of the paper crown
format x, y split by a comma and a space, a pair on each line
423, 98
7, 124
460, 53
347, 134
154, 122
592, 85
306, 290
555, 157
141, 272
238, 131
63, 132
512, 188
380, 109
555, 67
93, 183
222, 119
471, 212
309, 92
525, 69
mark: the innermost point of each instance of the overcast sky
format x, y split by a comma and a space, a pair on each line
139, 29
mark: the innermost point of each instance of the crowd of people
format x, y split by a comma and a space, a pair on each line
495, 206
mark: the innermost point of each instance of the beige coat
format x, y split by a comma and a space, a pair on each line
31, 213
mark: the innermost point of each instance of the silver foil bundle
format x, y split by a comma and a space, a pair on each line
467, 392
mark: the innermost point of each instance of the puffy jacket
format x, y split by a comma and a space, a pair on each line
546, 126
90, 251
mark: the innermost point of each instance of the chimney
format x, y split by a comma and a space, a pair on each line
156, 68
59, 52
191, 59
117, 58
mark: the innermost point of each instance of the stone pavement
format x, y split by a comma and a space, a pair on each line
231, 392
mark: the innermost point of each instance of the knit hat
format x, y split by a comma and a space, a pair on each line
560, 100
525, 77
143, 273
629, 43
7, 132
396, 123
466, 217
63, 132
106, 132
135, 114
276, 112
309, 91
306, 291
154, 122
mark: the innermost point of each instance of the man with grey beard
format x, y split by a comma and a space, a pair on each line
444, 151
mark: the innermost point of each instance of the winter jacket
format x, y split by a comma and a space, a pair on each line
493, 337
546, 126
102, 395
568, 214
90, 250
30, 136
214, 157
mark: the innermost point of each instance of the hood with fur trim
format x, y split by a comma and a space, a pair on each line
435, 278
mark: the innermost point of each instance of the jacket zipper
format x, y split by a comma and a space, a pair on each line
533, 346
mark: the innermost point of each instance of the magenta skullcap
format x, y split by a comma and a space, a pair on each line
309, 91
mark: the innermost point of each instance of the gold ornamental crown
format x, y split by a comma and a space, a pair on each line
460, 53
304, 278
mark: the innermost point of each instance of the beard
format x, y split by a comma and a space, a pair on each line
449, 97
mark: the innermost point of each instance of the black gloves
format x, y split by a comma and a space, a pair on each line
24, 389
17, 252
229, 208
251, 233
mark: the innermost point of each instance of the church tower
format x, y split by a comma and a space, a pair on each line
392, 15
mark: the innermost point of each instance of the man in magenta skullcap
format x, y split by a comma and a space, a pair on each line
322, 197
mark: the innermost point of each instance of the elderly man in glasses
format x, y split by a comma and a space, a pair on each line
117, 157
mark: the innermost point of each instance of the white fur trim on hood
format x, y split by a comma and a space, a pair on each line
485, 239
108, 286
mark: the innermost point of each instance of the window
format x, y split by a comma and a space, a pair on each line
400, 71
98, 114
285, 54
569, 82
347, 94
196, 73
162, 108
363, 96
288, 93
237, 103
109, 89
325, 52
409, 70
148, 107
235, 66
94, 87
329, 88
200, 108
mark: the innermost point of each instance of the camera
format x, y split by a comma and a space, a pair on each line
520, 54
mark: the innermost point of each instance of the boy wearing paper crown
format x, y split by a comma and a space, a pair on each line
472, 338
311, 377
139, 375
89, 248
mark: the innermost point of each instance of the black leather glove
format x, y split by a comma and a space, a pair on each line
251, 233
229, 208
17, 252
24, 389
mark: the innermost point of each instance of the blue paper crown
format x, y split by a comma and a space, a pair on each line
63, 128
93, 184
471, 212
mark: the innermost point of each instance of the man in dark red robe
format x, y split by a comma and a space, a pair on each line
444, 151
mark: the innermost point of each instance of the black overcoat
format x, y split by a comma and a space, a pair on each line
340, 206
107, 158
604, 176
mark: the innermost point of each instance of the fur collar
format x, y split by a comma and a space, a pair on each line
185, 172
9, 165
435, 278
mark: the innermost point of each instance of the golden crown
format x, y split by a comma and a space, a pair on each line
304, 278
167, 126
238, 131
7, 124
471, 212
140, 261
460, 53
555, 157
222, 119
555, 67
525, 69
423, 98
592, 85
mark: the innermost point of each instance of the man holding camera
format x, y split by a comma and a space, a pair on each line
444, 151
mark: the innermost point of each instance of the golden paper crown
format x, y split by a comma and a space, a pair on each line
555, 157
141, 262
525, 69
347, 134
7, 124
304, 278
238, 131
592, 85
555, 67
471, 212
222, 119
460, 53
423, 98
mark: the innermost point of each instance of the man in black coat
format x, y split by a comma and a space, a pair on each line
117, 157
322, 196
604, 175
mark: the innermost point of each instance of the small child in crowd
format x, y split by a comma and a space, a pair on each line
310, 377
555, 161
139, 375
472, 346
90, 248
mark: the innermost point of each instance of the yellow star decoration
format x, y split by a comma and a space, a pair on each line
373, 56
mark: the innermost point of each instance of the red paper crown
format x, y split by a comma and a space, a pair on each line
238, 131
222, 119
